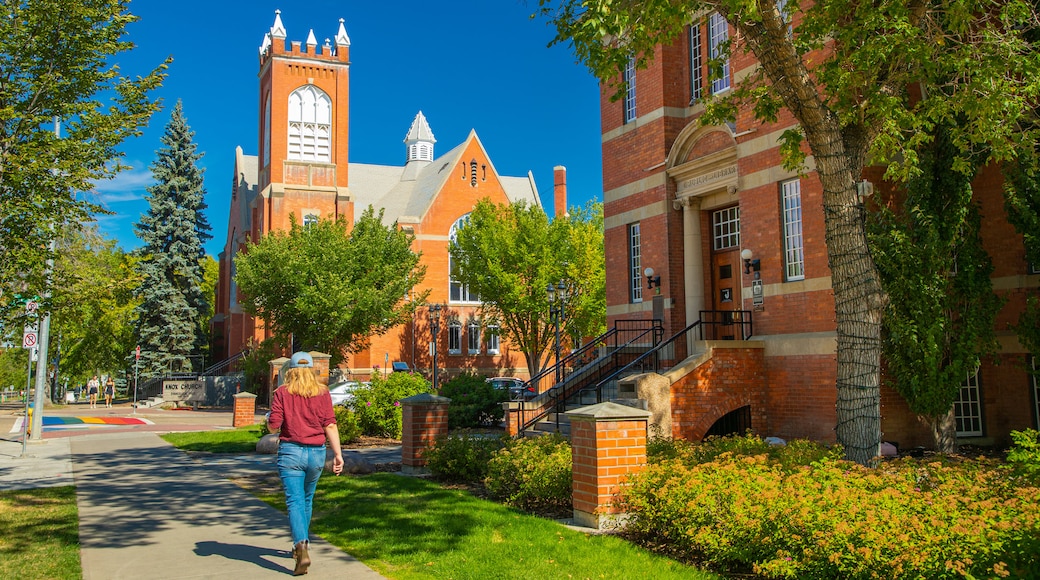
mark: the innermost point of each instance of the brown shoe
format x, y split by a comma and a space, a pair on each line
303, 560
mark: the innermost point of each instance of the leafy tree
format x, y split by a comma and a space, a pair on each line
210, 277
331, 289
94, 306
173, 310
508, 254
863, 81
56, 63
942, 308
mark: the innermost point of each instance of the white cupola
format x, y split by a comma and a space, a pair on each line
419, 140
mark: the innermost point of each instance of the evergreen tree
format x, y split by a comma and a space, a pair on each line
173, 305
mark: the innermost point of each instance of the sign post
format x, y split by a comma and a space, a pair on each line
137, 357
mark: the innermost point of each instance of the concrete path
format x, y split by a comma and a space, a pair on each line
148, 510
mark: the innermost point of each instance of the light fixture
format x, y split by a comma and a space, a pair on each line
651, 280
750, 264
864, 189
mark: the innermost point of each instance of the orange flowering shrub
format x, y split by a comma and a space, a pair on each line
834, 519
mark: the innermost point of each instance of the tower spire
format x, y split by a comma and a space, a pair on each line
419, 140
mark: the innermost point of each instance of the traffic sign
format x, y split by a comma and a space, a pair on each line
32, 306
30, 336
137, 354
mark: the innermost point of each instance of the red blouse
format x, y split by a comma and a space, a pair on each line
302, 420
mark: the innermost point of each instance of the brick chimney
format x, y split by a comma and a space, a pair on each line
559, 191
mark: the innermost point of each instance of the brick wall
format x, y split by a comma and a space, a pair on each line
733, 377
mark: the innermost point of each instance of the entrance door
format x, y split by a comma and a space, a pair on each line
725, 273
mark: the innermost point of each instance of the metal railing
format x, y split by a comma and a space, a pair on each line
725, 324
627, 340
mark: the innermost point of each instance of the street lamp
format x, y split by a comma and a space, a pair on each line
558, 315
435, 327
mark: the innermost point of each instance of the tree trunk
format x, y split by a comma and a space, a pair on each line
839, 153
944, 432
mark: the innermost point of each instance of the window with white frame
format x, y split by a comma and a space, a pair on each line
457, 291
310, 125
725, 226
794, 252
473, 337
635, 262
718, 35
454, 337
696, 63
310, 219
967, 408
629, 78
493, 341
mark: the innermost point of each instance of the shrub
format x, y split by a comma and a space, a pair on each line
347, 424
378, 405
462, 456
533, 474
834, 519
474, 402
1024, 455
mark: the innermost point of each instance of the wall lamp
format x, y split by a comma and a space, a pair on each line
652, 280
750, 264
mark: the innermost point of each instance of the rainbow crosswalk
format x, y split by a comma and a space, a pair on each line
52, 423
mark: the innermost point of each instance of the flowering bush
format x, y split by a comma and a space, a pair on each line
533, 474
347, 425
462, 456
474, 402
1024, 456
377, 406
834, 519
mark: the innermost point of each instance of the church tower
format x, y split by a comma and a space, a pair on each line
304, 128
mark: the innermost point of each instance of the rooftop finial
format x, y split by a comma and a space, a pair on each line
278, 29
341, 37
311, 41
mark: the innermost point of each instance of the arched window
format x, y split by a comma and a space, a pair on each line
310, 125
267, 130
457, 291
454, 336
473, 336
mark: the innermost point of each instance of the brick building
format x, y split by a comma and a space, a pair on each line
303, 170
687, 201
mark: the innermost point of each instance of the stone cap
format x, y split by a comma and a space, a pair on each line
425, 399
244, 395
608, 411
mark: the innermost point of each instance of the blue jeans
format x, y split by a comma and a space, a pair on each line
300, 466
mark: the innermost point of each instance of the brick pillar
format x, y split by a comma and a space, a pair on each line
512, 415
608, 442
245, 410
424, 418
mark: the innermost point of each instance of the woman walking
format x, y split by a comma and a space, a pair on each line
301, 410
110, 391
93, 385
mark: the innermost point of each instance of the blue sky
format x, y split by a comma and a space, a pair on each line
472, 64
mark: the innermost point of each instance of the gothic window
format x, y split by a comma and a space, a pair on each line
454, 337
457, 291
493, 341
473, 336
267, 130
310, 125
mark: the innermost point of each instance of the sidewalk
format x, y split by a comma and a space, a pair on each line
149, 511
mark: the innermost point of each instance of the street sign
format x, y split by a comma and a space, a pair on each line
30, 336
137, 353
32, 306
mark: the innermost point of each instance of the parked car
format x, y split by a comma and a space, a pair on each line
343, 392
518, 389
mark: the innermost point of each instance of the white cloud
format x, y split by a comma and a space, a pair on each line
127, 186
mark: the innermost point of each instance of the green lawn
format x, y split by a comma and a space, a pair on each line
241, 440
39, 533
408, 528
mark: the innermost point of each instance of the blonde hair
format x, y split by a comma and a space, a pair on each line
303, 381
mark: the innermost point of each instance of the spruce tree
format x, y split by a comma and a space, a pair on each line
173, 310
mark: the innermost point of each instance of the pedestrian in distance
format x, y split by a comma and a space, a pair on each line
301, 413
110, 391
93, 386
